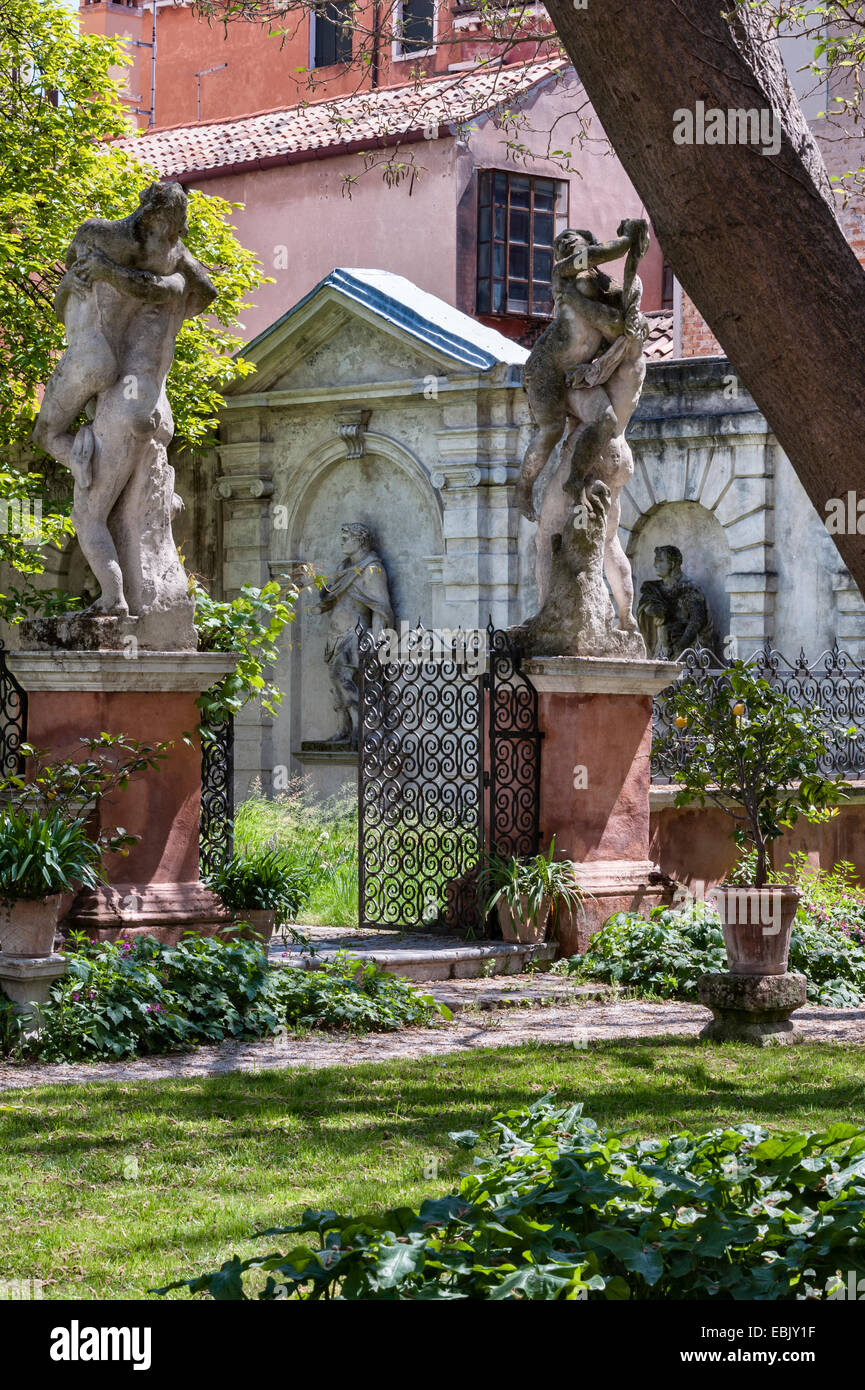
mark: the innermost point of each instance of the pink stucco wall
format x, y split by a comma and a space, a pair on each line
416, 228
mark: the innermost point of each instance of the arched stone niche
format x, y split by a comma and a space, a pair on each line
705, 552
388, 491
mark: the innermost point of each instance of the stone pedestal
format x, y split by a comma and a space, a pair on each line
751, 1008
27, 981
596, 717
150, 696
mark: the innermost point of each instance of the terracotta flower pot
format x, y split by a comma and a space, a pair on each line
757, 924
29, 926
256, 924
517, 926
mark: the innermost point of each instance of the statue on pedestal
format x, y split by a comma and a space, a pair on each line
358, 593
672, 611
128, 288
586, 372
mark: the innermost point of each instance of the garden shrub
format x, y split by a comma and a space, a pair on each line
565, 1210
318, 838
667, 952
120, 999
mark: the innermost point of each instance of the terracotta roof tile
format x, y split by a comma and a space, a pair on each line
293, 131
659, 343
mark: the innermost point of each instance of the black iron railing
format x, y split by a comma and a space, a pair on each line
13, 720
834, 684
216, 836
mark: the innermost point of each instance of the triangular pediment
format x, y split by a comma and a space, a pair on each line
360, 327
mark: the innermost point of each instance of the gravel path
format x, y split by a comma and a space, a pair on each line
579, 1024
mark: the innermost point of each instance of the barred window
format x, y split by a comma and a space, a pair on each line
331, 33
415, 27
519, 217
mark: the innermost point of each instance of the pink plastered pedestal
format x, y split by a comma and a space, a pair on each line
596, 717
155, 890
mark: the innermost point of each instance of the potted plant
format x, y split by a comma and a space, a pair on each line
260, 886
528, 893
41, 858
755, 754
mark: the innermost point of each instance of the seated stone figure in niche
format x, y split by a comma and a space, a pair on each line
358, 593
672, 611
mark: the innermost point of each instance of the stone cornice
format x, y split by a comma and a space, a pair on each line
146, 672
599, 675
362, 392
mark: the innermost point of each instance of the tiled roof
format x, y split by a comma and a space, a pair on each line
297, 132
422, 315
659, 343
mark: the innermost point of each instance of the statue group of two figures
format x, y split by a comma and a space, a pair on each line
129, 286
583, 381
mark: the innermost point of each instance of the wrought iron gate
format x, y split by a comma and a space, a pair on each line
448, 766
215, 836
13, 720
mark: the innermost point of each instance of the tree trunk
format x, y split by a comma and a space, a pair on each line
753, 238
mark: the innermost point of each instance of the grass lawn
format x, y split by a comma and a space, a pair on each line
221, 1158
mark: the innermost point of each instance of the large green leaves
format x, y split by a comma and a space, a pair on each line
563, 1210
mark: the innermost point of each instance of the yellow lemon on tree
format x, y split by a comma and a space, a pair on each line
738, 709
681, 722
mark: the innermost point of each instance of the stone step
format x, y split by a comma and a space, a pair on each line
523, 992
442, 961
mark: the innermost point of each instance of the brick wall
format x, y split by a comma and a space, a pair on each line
698, 340
840, 157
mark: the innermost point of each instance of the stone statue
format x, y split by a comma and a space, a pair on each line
358, 593
585, 373
672, 612
128, 287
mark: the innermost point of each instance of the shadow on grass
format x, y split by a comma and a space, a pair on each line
659, 1085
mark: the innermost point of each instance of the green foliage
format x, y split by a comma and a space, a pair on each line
251, 626
344, 994
319, 840
25, 531
666, 953
263, 878
565, 1210
527, 885
748, 744
120, 999
73, 789
60, 106
27, 601
39, 856
836, 29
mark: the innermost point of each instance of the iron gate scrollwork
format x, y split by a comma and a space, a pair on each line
448, 764
834, 683
514, 775
216, 838
13, 720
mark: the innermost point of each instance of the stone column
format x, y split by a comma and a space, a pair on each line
596, 717
155, 888
27, 981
